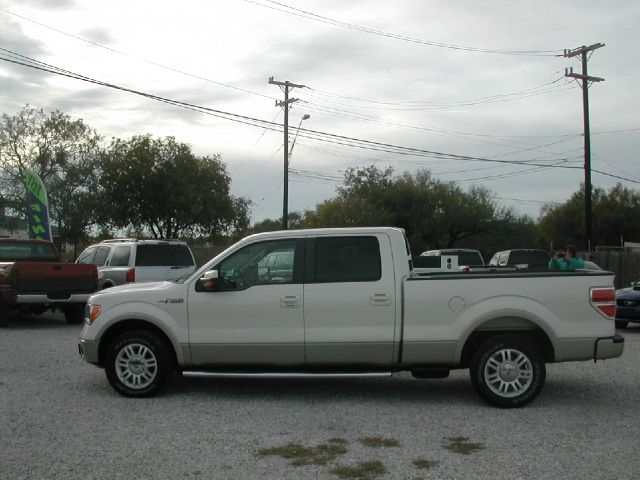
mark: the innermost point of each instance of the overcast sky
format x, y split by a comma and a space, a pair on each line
438, 76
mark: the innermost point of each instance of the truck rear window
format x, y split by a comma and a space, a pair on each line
28, 251
469, 258
163, 255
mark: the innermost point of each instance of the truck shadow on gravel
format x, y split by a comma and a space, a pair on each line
572, 392
398, 390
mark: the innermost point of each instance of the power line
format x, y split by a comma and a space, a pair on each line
423, 105
281, 7
304, 133
150, 62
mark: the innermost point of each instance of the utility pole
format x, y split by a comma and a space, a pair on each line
285, 86
584, 76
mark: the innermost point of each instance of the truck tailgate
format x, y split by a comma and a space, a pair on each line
57, 280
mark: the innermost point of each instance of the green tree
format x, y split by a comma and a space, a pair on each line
433, 213
65, 153
616, 217
161, 185
272, 225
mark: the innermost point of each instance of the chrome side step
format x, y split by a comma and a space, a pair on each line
191, 373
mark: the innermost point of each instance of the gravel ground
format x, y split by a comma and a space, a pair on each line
59, 418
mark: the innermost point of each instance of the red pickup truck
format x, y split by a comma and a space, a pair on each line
33, 280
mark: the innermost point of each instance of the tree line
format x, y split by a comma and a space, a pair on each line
158, 188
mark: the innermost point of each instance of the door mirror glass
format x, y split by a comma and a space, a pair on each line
210, 282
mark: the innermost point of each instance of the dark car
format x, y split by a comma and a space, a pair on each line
534, 258
628, 305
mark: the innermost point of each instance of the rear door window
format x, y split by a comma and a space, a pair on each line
120, 257
160, 255
347, 259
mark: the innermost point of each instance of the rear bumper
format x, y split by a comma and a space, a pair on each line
89, 351
608, 347
44, 299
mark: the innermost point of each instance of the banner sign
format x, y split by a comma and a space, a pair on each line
37, 207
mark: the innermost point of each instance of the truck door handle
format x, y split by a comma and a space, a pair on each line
380, 300
290, 301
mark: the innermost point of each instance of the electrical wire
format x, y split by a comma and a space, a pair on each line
150, 62
423, 105
304, 133
281, 7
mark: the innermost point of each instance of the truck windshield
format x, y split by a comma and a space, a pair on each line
27, 251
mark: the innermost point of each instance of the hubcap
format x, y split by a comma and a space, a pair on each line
136, 366
508, 373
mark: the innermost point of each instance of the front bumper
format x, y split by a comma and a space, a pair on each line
89, 351
608, 347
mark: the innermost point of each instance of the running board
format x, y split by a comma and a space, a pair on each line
190, 373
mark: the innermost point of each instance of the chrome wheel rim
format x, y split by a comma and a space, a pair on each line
136, 366
508, 373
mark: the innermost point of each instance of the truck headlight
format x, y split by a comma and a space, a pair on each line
91, 312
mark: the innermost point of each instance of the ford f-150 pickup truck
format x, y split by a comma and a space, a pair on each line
32, 280
346, 302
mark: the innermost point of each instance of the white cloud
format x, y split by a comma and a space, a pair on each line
241, 44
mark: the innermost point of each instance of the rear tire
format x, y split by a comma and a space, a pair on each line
5, 313
507, 371
74, 315
137, 363
621, 324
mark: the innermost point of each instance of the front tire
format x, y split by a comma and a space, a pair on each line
138, 363
507, 371
621, 324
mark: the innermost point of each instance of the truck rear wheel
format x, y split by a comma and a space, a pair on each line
74, 315
4, 314
507, 371
137, 363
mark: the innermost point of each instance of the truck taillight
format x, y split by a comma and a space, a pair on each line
131, 275
604, 300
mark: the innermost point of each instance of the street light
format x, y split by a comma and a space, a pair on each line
306, 116
285, 200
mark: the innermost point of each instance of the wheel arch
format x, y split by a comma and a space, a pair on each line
507, 325
132, 324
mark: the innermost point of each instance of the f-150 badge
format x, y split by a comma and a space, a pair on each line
172, 300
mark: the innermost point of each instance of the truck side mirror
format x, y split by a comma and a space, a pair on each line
209, 282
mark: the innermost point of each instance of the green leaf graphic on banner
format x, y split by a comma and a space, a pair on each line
35, 186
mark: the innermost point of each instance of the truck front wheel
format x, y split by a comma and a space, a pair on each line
507, 371
137, 363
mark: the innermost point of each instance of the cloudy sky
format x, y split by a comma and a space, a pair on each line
475, 81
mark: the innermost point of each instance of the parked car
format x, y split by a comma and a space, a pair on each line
534, 258
588, 265
466, 256
33, 280
628, 305
352, 306
127, 260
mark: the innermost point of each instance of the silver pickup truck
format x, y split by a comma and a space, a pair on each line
346, 302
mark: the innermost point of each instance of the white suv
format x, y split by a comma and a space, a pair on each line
127, 260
